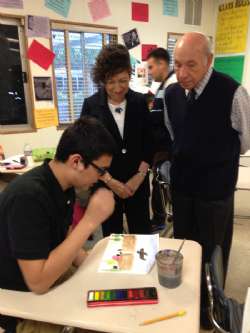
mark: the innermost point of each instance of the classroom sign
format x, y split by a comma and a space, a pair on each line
46, 117
232, 27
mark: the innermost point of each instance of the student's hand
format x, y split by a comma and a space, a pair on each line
101, 206
135, 182
120, 189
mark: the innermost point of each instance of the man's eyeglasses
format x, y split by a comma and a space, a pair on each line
100, 170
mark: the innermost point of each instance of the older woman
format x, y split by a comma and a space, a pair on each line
125, 114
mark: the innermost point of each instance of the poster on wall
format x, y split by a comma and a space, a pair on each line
131, 38
99, 9
60, 7
43, 88
170, 7
232, 27
40, 54
11, 3
46, 117
232, 66
37, 26
141, 74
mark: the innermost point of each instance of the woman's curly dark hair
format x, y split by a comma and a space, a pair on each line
112, 59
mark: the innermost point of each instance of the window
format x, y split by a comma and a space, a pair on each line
76, 52
193, 11
13, 80
172, 40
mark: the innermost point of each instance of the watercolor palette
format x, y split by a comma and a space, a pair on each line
114, 297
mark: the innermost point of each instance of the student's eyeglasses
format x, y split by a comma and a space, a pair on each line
100, 170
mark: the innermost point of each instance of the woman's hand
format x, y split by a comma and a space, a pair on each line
121, 189
135, 182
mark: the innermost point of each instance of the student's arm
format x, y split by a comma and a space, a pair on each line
80, 257
41, 274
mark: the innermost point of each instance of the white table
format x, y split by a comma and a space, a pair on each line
246, 315
243, 182
3, 170
66, 304
12, 160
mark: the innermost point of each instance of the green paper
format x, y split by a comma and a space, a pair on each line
232, 66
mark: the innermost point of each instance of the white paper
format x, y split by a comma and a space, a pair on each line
139, 259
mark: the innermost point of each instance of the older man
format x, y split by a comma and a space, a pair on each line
208, 118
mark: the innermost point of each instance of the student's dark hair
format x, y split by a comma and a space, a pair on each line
159, 54
87, 137
112, 60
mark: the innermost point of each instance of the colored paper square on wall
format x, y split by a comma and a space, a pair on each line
232, 66
99, 9
170, 7
60, 7
40, 54
46, 117
146, 49
139, 12
11, 3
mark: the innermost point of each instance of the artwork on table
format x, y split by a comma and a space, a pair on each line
134, 254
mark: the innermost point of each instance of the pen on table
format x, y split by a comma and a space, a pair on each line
155, 320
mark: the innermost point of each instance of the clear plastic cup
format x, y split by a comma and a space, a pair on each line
169, 269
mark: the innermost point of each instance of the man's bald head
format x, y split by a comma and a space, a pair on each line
193, 57
195, 40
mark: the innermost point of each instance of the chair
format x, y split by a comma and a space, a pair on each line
225, 313
163, 181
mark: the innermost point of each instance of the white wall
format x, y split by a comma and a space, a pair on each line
154, 32
246, 72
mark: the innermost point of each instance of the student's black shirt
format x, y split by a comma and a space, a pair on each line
35, 214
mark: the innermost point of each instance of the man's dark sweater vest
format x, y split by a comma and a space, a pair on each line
206, 148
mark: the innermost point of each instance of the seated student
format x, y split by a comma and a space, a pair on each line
36, 212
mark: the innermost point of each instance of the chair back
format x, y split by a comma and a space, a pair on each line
226, 314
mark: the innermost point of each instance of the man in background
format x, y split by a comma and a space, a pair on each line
158, 67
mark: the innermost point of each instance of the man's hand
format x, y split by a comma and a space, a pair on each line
101, 206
